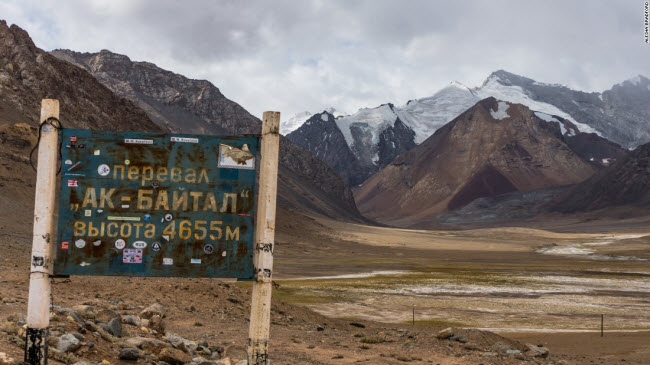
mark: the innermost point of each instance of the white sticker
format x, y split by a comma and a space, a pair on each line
103, 169
223, 254
96, 152
184, 139
88, 212
166, 237
139, 244
126, 162
195, 261
236, 158
138, 141
68, 162
156, 246
120, 244
80, 243
73, 183
97, 243
125, 206
168, 261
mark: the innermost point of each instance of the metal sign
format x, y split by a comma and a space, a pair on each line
141, 204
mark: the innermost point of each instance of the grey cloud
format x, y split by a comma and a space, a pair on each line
308, 55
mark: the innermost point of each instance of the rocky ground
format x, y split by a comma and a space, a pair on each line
205, 321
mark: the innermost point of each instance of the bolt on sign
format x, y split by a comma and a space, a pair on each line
142, 204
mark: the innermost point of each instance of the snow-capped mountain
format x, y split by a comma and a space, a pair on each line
620, 114
355, 146
426, 115
291, 124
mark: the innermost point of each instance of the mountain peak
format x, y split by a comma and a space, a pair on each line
636, 80
506, 78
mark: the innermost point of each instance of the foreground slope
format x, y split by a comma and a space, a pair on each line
183, 105
493, 148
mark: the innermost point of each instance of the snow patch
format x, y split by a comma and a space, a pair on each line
501, 112
426, 115
516, 95
550, 118
375, 120
324, 117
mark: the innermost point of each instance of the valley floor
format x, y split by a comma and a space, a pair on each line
546, 287
521, 282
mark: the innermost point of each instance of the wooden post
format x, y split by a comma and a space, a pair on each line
38, 307
260, 321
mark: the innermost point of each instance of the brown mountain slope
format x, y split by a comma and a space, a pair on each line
492, 148
28, 74
625, 183
197, 106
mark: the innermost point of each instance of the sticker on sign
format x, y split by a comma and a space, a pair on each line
132, 256
236, 158
138, 141
184, 139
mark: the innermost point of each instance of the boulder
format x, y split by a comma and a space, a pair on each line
85, 311
67, 343
157, 323
536, 351
152, 310
176, 341
114, 327
174, 356
130, 354
446, 333
146, 343
106, 315
132, 320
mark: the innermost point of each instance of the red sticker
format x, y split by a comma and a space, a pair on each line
73, 139
65, 245
73, 183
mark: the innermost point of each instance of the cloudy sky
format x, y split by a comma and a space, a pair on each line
308, 55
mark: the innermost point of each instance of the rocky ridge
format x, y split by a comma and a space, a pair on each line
179, 104
367, 154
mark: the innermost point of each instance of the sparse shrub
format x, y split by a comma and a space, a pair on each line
373, 339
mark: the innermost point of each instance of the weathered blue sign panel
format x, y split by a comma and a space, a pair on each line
141, 204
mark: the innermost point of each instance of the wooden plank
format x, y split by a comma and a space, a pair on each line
260, 320
38, 307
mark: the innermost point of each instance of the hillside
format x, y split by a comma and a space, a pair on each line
179, 104
626, 183
491, 149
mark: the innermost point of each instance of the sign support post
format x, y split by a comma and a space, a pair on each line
260, 321
38, 307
